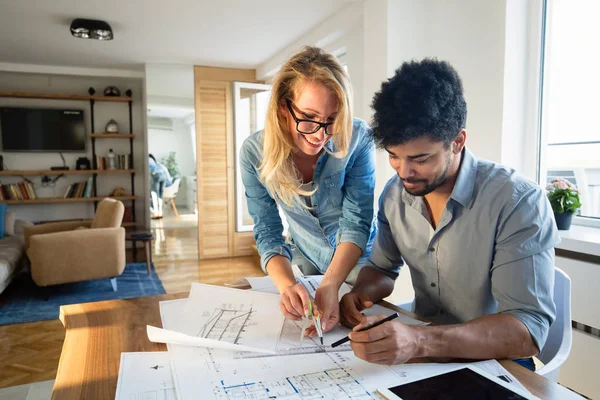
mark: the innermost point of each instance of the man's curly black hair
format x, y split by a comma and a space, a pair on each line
423, 98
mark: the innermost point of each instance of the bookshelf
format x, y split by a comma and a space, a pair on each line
48, 200
49, 172
112, 135
62, 96
95, 172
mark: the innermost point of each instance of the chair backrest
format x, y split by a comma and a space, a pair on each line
560, 337
109, 214
171, 191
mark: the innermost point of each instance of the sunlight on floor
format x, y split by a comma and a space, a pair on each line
186, 219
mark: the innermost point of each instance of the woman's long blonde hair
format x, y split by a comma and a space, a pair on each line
277, 171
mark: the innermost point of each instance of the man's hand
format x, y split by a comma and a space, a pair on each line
389, 343
294, 303
351, 306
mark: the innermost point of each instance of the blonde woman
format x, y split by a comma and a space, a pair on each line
316, 163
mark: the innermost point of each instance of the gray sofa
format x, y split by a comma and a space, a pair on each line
12, 250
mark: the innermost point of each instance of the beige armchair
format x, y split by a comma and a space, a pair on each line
63, 252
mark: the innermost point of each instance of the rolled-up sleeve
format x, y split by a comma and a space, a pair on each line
359, 187
268, 228
385, 256
522, 275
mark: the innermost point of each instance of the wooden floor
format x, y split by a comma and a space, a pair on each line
30, 352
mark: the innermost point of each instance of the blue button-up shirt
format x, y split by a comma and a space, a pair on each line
492, 251
342, 206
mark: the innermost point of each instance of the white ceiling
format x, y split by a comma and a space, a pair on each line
228, 33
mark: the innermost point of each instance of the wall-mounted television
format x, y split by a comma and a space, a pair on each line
38, 129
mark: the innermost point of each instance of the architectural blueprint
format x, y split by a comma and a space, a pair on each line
241, 317
206, 374
203, 373
145, 376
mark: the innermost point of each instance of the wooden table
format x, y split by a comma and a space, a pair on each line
97, 333
146, 241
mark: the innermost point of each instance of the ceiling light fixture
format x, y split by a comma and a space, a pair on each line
91, 29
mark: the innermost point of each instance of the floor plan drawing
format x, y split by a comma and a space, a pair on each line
330, 384
226, 324
206, 374
236, 316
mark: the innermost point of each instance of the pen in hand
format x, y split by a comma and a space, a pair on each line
346, 339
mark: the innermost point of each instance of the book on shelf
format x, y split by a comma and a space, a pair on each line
79, 189
17, 191
122, 161
128, 214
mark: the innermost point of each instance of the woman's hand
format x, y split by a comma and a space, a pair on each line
295, 302
326, 300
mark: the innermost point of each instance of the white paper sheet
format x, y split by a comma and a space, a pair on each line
145, 376
263, 284
170, 312
158, 335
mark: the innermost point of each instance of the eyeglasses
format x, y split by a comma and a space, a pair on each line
307, 126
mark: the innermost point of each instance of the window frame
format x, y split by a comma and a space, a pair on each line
542, 138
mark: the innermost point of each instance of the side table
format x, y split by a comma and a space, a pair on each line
146, 238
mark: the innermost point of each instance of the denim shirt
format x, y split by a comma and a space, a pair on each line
491, 252
342, 206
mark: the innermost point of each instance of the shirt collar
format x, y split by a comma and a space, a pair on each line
465, 181
464, 185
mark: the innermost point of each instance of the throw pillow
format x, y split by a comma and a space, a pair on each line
9, 223
20, 226
2, 216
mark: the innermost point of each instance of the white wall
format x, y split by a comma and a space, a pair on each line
173, 80
104, 111
162, 142
470, 34
328, 36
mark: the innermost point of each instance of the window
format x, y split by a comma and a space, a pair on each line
570, 128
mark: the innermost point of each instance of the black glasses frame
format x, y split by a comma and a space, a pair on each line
324, 125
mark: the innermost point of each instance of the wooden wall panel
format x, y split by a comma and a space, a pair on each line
224, 74
211, 160
215, 163
243, 243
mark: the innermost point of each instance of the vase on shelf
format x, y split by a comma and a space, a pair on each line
563, 220
111, 162
112, 127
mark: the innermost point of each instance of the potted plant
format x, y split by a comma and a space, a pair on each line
564, 199
171, 163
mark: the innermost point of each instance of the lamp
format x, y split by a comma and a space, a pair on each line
91, 29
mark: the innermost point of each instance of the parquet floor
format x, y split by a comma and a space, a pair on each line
30, 352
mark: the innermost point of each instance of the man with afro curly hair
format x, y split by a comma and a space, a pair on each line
478, 238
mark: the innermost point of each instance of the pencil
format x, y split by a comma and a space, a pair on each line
389, 318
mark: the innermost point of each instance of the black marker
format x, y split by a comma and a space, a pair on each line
344, 340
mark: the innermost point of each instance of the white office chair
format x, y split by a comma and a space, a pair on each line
560, 337
169, 194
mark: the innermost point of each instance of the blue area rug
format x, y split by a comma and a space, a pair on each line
23, 301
